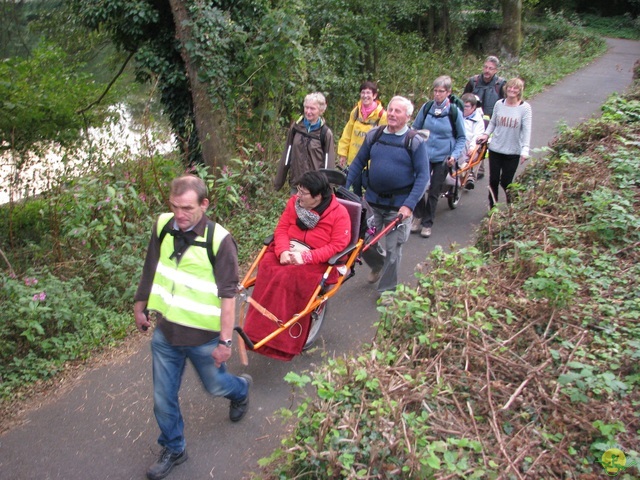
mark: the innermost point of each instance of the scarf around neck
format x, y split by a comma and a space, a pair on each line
365, 112
308, 219
311, 127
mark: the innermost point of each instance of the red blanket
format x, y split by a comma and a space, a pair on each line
283, 290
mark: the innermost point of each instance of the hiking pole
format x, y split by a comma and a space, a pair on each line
383, 232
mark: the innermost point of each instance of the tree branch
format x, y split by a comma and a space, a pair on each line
113, 80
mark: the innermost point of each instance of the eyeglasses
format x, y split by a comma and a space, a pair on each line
439, 90
301, 192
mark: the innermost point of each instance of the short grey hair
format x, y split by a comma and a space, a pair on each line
443, 81
494, 60
319, 99
188, 183
403, 101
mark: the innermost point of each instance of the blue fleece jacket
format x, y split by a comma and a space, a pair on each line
441, 143
395, 178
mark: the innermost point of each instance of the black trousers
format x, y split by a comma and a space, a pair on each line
426, 207
502, 169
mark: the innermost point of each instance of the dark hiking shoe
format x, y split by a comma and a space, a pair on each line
470, 185
238, 408
165, 464
374, 276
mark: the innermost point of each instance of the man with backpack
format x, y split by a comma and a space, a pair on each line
489, 88
189, 281
445, 122
395, 179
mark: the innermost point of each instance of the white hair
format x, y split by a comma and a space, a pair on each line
405, 102
319, 99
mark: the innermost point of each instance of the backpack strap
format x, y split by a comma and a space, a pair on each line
407, 139
453, 114
453, 117
500, 83
165, 229
376, 137
323, 136
208, 244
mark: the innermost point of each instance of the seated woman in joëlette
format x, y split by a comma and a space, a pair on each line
313, 227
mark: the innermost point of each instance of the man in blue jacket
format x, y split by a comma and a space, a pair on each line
396, 178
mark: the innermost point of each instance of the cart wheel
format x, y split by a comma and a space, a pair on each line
317, 317
453, 197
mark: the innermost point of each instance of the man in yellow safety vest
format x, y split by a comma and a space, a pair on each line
189, 281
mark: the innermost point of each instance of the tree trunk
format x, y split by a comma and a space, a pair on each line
210, 122
511, 28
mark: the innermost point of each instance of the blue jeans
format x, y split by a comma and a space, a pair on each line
169, 362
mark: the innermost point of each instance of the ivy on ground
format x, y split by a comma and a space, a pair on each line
517, 357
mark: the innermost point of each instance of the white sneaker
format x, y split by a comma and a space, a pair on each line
425, 232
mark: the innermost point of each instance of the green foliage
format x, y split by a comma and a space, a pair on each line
28, 219
51, 321
40, 97
556, 273
621, 110
101, 212
624, 26
528, 347
557, 37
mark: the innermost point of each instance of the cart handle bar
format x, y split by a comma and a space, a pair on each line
384, 231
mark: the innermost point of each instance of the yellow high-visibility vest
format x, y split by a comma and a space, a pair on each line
185, 291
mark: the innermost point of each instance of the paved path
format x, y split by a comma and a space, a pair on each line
101, 426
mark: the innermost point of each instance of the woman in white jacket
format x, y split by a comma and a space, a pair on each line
473, 127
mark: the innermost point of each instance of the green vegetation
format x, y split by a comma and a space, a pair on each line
516, 356
91, 227
624, 26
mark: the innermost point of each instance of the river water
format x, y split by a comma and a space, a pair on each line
120, 139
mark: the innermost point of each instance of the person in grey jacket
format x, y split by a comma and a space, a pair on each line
510, 132
489, 88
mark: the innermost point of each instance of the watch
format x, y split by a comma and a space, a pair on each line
226, 343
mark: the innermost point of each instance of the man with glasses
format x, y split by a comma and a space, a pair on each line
489, 88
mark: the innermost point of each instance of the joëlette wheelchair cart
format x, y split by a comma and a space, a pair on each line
343, 262
457, 178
